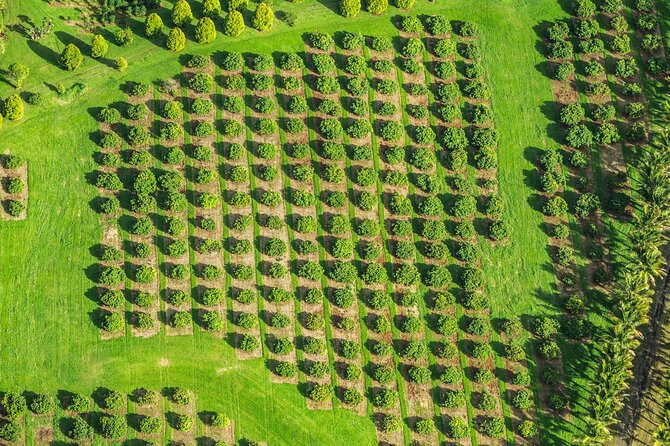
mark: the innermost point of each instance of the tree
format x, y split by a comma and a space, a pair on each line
71, 57
205, 31
13, 107
233, 24
121, 64
264, 17
153, 26
377, 6
176, 40
99, 46
181, 13
350, 8
18, 72
211, 8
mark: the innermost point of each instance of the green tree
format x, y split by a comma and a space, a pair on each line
205, 31
121, 63
176, 40
211, 8
153, 26
99, 46
236, 5
233, 24
14, 107
264, 17
181, 13
71, 57
18, 72
377, 6
350, 8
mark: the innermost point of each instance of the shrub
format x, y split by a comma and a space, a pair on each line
205, 31
79, 430
263, 18
457, 428
493, 427
153, 25
452, 399
176, 40
71, 57
377, 7
549, 350
113, 426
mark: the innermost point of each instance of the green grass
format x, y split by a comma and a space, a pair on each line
49, 342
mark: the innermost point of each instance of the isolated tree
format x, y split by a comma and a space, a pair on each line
121, 64
71, 57
211, 8
176, 40
181, 13
377, 6
99, 46
264, 17
153, 25
233, 24
18, 72
14, 107
350, 8
205, 31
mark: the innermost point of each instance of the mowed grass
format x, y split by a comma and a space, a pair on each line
49, 342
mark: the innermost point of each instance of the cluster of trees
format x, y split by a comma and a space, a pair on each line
632, 289
633, 292
111, 422
206, 27
14, 185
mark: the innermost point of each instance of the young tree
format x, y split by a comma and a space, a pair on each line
233, 24
205, 31
71, 57
153, 25
121, 64
350, 8
377, 6
14, 107
264, 17
176, 40
99, 46
211, 8
237, 5
19, 73
181, 13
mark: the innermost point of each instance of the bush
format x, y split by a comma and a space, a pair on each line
176, 40
457, 428
153, 25
205, 31
113, 426
42, 404
71, 57
377, 6
149, 425
183, 422
549, 350
321, 392
527, 429
79, 430
493, 427
263, 17
453, 399
181, 319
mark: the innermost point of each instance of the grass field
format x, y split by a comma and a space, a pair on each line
49, 342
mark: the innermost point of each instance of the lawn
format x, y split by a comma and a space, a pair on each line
49, 341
